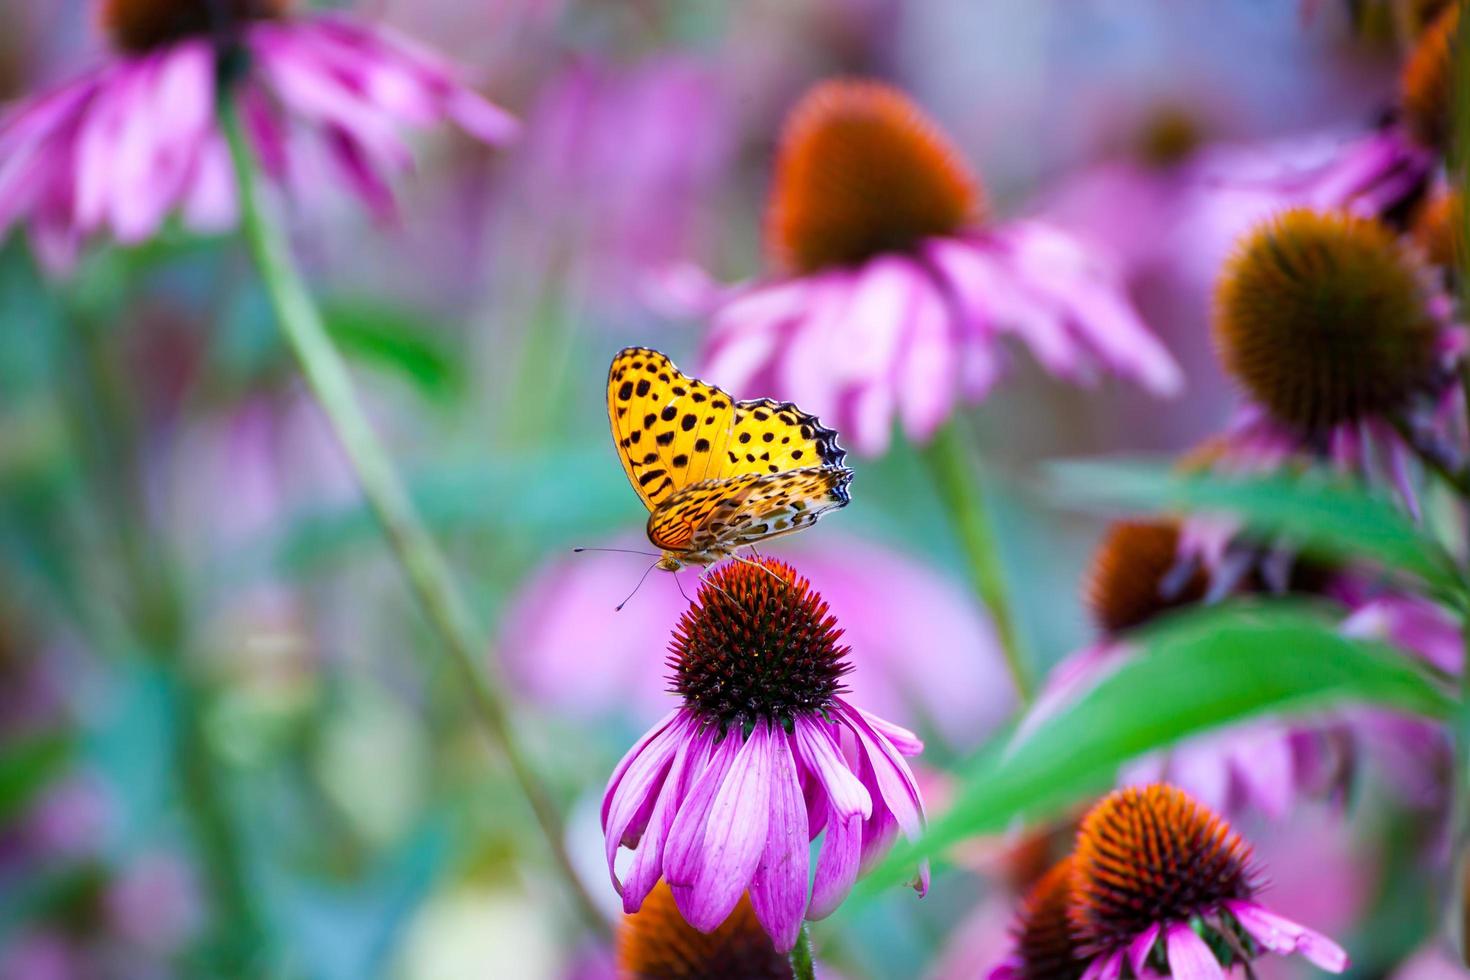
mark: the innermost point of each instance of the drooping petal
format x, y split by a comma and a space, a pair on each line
1190, 957
817, 750
891, 774
837, 864
778, 887
633, 800
683, 854
633, 753
711, 877
647, 865
1141, 946
928, 374
1281, 935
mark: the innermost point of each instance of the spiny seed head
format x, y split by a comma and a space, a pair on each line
141, 25
861, 171
1439, 230
1129, 581
757, 643
1045, 946
1152, 855
1324, 319
1427, 85
655, 943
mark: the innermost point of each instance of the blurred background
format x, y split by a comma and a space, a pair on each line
223, 716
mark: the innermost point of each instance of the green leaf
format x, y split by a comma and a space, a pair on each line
1194, 672
26, 767
396, 340
1316, 511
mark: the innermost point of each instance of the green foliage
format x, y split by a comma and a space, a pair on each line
1193, 673
1318, 512
26, 767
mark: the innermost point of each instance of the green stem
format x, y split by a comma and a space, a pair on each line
802, 967
954, 468
427, 571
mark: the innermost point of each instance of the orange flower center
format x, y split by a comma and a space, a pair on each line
1439, 229
861, 171
1323, 319
655, 943
1045, 946
141, 25
1427, 82
1128, 581
1151, 855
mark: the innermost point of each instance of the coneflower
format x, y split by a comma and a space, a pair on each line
724, 795
1426, 86
655, 943
1159, 882
891, 288
1335, 333
135, 140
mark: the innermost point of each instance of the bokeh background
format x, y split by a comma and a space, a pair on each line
221, 707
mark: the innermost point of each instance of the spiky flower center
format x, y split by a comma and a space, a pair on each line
1324, 319
862, 171
141, 25
655, 943
1045, 946
1136, 575
757, 643
1152, 855
1426, 86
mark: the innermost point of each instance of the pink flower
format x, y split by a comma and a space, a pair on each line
131, 142
893, 297
1158, 885
724, 795
889, 606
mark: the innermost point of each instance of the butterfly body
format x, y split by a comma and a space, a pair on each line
716, 474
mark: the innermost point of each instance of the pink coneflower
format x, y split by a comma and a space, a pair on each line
725, 794
1159, 882
124, 146
1335, 333
891, 293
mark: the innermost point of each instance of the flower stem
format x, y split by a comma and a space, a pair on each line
802, 967
954, 469
420, 559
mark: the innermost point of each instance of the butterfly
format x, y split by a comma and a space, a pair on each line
717, 474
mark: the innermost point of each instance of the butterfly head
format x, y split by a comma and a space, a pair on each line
670, 562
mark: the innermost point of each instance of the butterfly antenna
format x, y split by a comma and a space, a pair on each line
681, 588
641, 580
618, 551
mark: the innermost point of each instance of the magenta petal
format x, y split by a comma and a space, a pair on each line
837, 864
1281, 935
636, 793
818, 752
1190, 957
633, 753
733, 838
683, 854
778, 887
647, 865
905, 741
1139, 949
928, 376
1108, 967
890, 773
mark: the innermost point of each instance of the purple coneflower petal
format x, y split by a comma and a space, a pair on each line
709, 879
647, 865
890, 773
1190, 957
818, 752
928, 379
682, 855
1108, 967
838, 863
622, 767
1281, 935
1141, 946
905, 741
778, 886
637, 795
